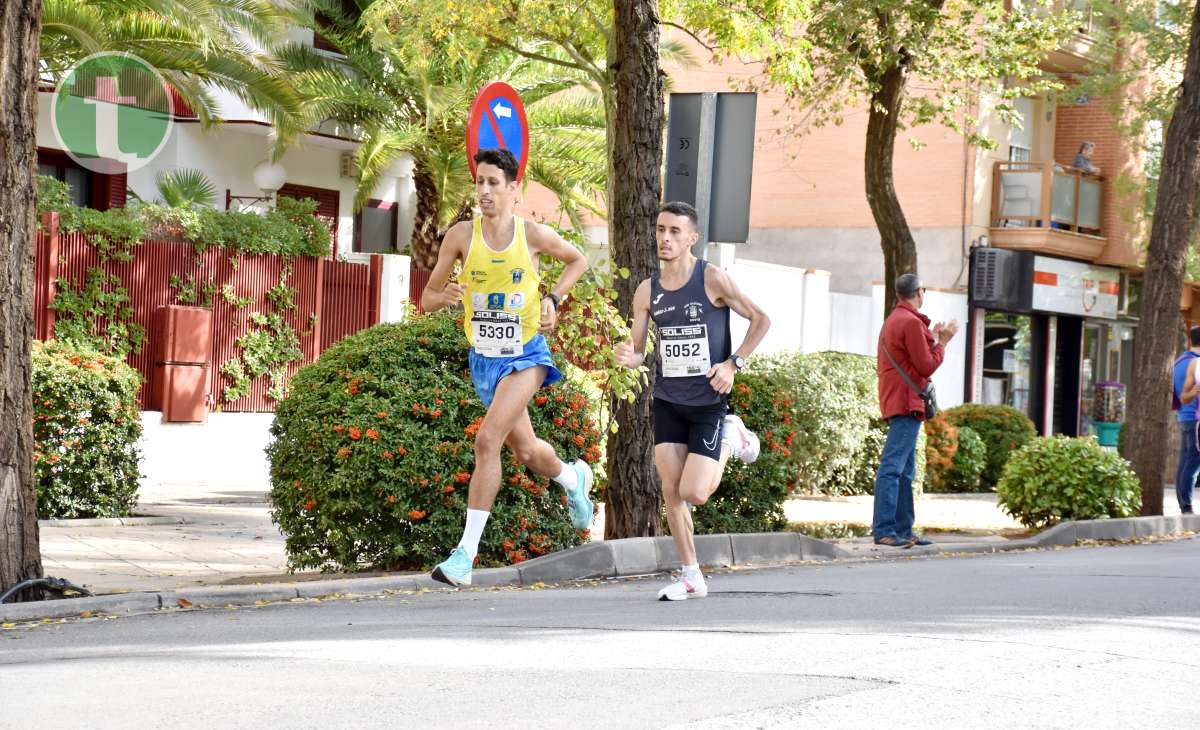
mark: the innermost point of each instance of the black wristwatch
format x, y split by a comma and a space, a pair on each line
739, 362
554, 298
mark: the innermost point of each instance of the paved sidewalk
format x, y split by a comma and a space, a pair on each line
207, 537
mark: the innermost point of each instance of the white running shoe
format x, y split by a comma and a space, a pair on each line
683, 589
743, 443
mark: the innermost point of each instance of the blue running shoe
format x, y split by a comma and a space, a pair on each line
577, 499
454, 570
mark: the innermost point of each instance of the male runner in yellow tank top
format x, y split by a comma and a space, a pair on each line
505, 318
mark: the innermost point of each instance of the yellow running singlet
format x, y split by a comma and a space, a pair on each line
502, 304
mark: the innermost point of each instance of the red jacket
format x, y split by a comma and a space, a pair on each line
910, 342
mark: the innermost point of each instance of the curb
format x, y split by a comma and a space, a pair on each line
608, 559
114, 522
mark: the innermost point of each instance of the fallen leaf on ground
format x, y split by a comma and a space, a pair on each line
184, 603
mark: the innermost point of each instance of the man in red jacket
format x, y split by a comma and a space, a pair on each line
919, 351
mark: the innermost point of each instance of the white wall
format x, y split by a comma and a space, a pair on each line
178, 457
806, 316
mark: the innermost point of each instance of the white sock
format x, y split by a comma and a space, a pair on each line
566, 476
692, 574
476, 519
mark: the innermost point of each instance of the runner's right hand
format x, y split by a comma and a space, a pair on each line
625, 356
452, 294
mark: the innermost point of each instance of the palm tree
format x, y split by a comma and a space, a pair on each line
402, 99
197, 45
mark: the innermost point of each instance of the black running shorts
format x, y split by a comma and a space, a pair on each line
697, 426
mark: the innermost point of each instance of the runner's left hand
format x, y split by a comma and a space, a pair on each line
549, 316
720, 377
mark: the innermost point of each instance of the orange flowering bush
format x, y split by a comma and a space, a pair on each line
374, 447
86, 426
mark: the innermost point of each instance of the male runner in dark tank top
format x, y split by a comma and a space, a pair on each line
689, 302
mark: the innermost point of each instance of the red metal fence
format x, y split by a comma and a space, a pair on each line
343, 295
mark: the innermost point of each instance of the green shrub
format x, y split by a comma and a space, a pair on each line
374, 446
969, 462
1003, 430
840, 435
1060, 478
956, 456
750, 498
835, 403
86, 427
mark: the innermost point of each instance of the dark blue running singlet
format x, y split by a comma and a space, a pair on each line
693, 335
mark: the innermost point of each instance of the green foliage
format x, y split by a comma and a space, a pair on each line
1059, 478
85, 430
291, 228
197, 46
589, 324
374, 446
955, 456
839, 433
750, 498
97, 315
1003, 430
830, 57
186, 188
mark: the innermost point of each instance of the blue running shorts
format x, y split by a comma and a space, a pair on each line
487, 372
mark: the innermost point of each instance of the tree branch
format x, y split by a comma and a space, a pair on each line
578, 66
710, 49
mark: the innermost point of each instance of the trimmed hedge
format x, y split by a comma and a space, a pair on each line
86, 427
1061, 478
374, 446
1003, 430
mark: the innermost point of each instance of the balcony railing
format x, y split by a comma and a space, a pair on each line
1047, 208
1047, 195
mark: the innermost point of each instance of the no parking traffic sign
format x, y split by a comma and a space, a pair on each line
498, 121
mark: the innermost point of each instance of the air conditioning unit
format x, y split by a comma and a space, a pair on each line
347, 167
1001, 279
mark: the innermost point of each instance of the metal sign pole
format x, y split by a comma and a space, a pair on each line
704, 169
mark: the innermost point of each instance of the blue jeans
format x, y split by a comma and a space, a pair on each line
1189, 465
893, 482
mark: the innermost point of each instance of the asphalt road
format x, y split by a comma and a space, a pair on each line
1087, 637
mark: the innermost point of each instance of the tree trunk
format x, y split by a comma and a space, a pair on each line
20, 554
425, 238
1175, 221
634, 506
899, 249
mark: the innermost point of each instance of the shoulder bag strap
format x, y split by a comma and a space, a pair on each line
895, 365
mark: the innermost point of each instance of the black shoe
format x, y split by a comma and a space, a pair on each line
893, 542
918, 540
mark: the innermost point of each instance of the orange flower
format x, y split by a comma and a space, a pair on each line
310, 504
448, 489
559, 422
372, 434
518, 556
416, 514
355, 434
381, 415
339, 428
473, 428
540, 400
344, 452
388, 454
296, 484
402, 451
435, 414
578, 440
391, 499
438, 401
353, 390
462, 477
